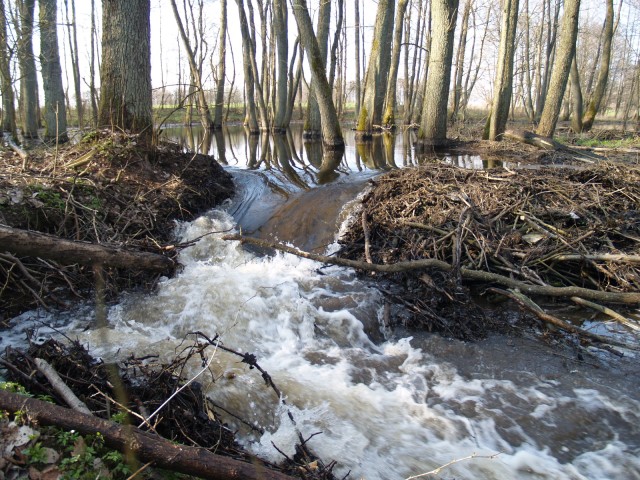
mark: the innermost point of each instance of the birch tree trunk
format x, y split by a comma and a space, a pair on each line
603, 73
375, 82
203, 107
27, 64
125, 73
331, 134
503, 88
55, 111
6, 86
433, 129
561, 68
389, 116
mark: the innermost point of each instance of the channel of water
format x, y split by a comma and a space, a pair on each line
387, 404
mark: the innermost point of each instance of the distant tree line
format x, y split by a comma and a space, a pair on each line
543, 59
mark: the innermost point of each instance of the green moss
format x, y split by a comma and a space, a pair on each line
362, 119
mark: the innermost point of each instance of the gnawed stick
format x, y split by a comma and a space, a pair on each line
479, 275
607, 311
527, 303
60, 387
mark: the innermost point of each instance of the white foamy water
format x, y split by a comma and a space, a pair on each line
386, 410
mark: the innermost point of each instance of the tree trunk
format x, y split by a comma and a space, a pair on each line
576, 98
26, 60
55, 114
147, 447
313, 123
36, 244
331, 133
221, 71
389, 116
196, 77
462, 48
92, 68
357, 59
75, 58
125, 73
375, 81
504, 75
603, 74
251, 120
6, 85
561, 68
433, 129
282, 64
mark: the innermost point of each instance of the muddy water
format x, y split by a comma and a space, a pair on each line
387, 404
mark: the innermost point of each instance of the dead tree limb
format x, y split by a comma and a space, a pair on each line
37, 244
546, 143
60, 387
146, 446
479, 275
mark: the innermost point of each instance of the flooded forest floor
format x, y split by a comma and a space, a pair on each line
546, 233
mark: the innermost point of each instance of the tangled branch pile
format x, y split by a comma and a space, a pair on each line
548, 226
109, 189
155, 396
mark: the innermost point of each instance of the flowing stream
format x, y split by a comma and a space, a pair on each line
384, 404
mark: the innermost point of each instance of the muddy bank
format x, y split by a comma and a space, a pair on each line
107, 189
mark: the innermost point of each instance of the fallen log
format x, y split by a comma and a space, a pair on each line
146, 446
530, 289
37, 244
549, 144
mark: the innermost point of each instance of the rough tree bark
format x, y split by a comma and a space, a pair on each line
313, 123
26, 61
6, 86
36, 244
331, 132
603, 73
147, 447
503, 88
125, 73
388, 118
433, 129
561, 68
375, 81
55, 110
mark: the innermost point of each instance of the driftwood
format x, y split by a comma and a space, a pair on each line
546, 143
146, 446
36, 244
404, 266
60, 387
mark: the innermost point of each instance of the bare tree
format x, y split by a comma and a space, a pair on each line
388, 118
196, 72
603, 74
375, 82
26, 60
55, 114
125, 73
313, 122
75, 57
561, 68
433, 129
459, 65
220, 71
331, 132
6, 84
503, 86
282, 43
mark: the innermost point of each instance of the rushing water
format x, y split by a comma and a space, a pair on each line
387, 406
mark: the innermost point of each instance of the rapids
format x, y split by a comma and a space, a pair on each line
384, 404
